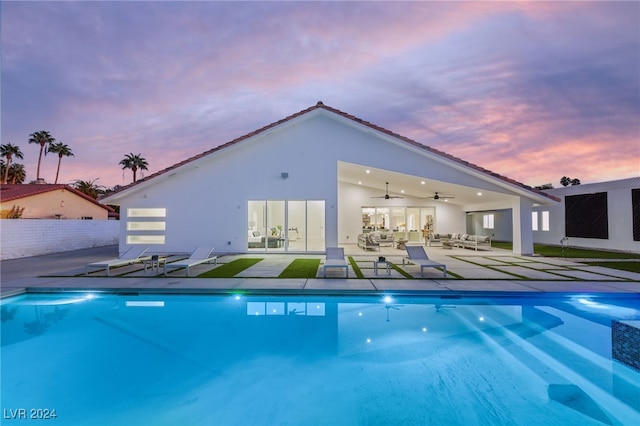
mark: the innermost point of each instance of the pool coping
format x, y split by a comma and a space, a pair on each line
62, 272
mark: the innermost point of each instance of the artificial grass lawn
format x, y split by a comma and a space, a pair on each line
622, 266
569, 252
355, 267
301, 268
579, 253
229, 270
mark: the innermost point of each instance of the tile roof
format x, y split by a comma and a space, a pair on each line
14, 192
321, 105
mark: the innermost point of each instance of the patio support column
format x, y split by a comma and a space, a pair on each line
522, 232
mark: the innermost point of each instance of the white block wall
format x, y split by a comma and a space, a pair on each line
23, 238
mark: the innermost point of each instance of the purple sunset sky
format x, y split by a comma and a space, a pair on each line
530, 90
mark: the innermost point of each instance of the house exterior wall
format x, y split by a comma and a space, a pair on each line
61, 202
24, 238
206, 198
619, 209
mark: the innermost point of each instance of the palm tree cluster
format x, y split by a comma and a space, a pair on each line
14, 173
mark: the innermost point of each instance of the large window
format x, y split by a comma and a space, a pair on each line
291, 225
586, 215
487, 221
544, 218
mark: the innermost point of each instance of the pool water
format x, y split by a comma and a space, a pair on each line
105, 359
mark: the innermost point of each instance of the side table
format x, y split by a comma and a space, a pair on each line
384, 263
154, 262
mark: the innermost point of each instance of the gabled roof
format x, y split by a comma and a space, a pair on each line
322, 106
18, 191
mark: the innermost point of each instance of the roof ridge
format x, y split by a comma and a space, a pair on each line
321, 105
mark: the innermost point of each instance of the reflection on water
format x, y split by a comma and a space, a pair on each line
311, 360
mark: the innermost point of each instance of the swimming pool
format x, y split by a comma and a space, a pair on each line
149, 359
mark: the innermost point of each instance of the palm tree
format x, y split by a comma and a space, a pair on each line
89, 188
62, 150
17, 173
9, 151
42, 138
134, 162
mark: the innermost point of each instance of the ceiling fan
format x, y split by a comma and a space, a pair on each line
438, 196
386, 195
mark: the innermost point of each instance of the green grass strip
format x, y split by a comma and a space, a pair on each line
301, 268
402, 271
355, 267
569, 252
622, 266
229, 270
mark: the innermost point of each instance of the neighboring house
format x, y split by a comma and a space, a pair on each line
312, 180
47, 201
604, 215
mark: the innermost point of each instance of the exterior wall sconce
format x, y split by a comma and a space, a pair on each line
284, 175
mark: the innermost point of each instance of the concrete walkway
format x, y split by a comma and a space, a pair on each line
468, 271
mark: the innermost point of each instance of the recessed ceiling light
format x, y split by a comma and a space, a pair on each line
479, 194
359, 183
367, 171
422, 183
402, 191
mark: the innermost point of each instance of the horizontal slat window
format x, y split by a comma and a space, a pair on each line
145, 239
147, 212
146, 226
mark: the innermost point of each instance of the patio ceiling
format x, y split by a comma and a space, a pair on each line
415, 186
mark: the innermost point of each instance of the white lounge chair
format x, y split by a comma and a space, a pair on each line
129, 257
200, 255
335, 259
418, 255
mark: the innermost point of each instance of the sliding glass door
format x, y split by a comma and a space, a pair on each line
291, 225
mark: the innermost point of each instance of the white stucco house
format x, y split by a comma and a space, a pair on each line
603, 215
315, 179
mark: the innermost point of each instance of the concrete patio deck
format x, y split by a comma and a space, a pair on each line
469, 272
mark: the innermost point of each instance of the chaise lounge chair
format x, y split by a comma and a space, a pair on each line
335, 259
129, 257
418, 256
200, 255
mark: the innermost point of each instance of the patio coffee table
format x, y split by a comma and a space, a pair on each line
447, 244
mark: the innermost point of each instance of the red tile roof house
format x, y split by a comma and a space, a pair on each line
316, 179
54, 220
50, 201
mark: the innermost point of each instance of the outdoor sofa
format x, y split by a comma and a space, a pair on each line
471, 241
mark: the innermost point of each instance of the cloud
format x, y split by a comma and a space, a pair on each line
496, 83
